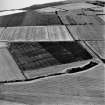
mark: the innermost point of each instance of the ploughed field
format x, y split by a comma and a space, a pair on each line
25, 61
36, 55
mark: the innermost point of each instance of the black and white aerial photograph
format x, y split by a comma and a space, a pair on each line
52, 52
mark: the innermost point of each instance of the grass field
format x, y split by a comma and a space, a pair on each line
80, 89
8, 68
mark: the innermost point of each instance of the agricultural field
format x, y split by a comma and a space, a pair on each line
35, 55
79, 17
1, 30
29, 18
102, 17
35, 7
75, 6
53, 54
9, 12
2, 102
68, 89
12, 20
88, 32
36, 33
52, 71
99, 2
8, 67
68, 6
98, 47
